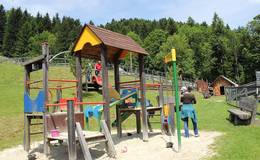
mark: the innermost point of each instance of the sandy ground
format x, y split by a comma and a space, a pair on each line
129, 148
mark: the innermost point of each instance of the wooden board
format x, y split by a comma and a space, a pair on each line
58, 120
89, 136
83, 143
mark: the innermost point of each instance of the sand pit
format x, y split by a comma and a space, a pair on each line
130, 148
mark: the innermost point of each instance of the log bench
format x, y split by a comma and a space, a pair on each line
246, 112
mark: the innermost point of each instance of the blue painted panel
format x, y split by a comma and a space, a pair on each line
36, 105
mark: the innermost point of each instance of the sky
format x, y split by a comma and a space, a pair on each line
233, 12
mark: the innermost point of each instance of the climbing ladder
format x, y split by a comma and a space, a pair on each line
30, 120
107, 139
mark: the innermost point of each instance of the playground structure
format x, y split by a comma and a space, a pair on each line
93, 43
60, 125
57, 124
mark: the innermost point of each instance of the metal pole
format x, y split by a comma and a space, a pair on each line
71, 130
175, 84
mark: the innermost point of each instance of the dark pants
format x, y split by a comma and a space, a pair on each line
186, 127
97, 72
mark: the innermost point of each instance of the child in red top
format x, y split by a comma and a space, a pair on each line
98, 68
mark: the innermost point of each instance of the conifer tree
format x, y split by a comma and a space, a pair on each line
13, 26
2, 25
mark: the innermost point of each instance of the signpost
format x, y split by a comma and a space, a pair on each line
171, 57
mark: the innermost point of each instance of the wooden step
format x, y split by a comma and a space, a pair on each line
34, 124
34, 133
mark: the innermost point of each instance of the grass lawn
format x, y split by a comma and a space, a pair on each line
237, 142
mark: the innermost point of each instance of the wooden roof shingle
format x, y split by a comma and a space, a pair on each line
117, 40
88, 45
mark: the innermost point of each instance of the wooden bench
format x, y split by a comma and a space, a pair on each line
246, 112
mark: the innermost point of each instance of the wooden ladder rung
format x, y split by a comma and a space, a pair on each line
100, 141
36, 133
153, 115
33, 124
155, 122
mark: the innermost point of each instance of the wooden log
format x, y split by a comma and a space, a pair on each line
71, 131
117, 87
83, 143
105, 81
110, 143
161, 103
27, 138
79, 79
138, 121
26, 143
45, 52
142, 88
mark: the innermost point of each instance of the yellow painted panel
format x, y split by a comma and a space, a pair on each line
166, 110
170, 57
173, 54
87, 36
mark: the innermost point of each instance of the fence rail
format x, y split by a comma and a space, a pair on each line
151, 75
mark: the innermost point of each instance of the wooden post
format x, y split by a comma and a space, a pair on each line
26, 138
105, 93
58, 94
142, 88
161, 103
45, 52
71, 130
117, 87
79, 79
138, 121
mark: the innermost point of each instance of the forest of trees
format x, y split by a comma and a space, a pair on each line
204, 51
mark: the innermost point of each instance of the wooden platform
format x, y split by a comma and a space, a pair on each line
90, 136
34, 115
139, 109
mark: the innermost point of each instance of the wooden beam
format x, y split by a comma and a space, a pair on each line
161, 103
79, 79
26, 138
105, 81
71, 131
83, 143
117, 87
45, 52
110, 145
142, 89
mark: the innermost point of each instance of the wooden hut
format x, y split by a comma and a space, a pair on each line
220, 83
202, 86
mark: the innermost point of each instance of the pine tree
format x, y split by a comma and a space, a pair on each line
91, 22
2, 25
56, 22
22, 44
46, 22
190, 21
13, 26
39, 23
67, 33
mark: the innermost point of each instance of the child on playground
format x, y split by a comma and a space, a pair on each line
188, 99
98, 68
